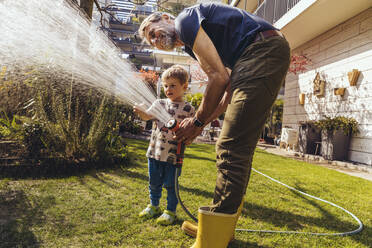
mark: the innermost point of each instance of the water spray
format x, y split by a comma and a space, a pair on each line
55, 39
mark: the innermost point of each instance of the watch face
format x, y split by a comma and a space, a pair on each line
198, 123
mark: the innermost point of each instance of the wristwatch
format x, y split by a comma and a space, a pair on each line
197, 122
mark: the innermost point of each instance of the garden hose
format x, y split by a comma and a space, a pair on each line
173, 125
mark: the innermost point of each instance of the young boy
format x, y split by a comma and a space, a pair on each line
162, 148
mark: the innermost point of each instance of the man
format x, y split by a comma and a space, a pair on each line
221, 37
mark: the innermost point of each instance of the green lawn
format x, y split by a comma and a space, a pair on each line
100, 208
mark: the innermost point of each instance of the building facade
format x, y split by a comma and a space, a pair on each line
335, 37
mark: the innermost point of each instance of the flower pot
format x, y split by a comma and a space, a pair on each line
353, 77
308, 135
335, 145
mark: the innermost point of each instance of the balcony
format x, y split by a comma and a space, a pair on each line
273, 10
303, 20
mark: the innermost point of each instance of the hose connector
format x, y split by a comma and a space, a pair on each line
173, 126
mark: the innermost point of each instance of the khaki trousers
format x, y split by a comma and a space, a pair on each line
255, 81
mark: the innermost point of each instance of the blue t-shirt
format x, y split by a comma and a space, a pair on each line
230, 29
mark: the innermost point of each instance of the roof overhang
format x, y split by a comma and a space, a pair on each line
310, 18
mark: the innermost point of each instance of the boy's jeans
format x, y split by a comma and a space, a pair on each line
162, 174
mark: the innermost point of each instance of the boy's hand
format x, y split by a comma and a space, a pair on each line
138, 109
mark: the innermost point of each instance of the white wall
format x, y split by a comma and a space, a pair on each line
333, 54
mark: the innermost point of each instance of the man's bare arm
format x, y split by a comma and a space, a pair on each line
221, 108
218, 77
218, 80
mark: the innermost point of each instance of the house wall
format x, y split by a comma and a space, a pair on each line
333, 54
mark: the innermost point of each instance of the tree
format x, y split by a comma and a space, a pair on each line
87, 6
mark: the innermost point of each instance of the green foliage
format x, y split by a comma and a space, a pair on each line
274, 122
33, 139
194, 99
9, 128
347, 125
66, 120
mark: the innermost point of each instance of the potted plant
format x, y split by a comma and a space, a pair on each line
336, 133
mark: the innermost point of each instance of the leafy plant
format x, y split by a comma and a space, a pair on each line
194, 99
274, 122
33, 139
347, 125
66, 120
9, 128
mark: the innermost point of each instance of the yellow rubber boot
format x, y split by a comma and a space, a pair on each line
214, 229
191, 228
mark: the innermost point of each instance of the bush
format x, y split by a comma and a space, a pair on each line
194, 99
347, 125
65, 120
9, 128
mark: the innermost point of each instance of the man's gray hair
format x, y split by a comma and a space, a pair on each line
154, 17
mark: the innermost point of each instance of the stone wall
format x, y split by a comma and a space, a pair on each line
333, 54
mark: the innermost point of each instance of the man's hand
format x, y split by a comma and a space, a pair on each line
187, 131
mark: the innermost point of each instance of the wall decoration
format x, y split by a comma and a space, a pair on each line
319, 86
301, 97
353, 76
339, 91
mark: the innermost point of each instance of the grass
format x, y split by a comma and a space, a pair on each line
100, 208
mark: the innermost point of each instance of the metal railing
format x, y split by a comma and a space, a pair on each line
273, 10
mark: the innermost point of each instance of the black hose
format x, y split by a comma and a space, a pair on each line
179, 198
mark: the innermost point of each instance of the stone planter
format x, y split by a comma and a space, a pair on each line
308, 135
335, 145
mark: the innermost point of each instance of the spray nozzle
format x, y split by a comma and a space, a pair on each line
172, 125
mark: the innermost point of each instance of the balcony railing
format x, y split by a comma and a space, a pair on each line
273, 10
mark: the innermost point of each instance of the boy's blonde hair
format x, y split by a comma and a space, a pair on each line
176, 71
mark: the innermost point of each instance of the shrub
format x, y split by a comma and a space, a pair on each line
194, 99
347, 125
67, 121
9, 128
